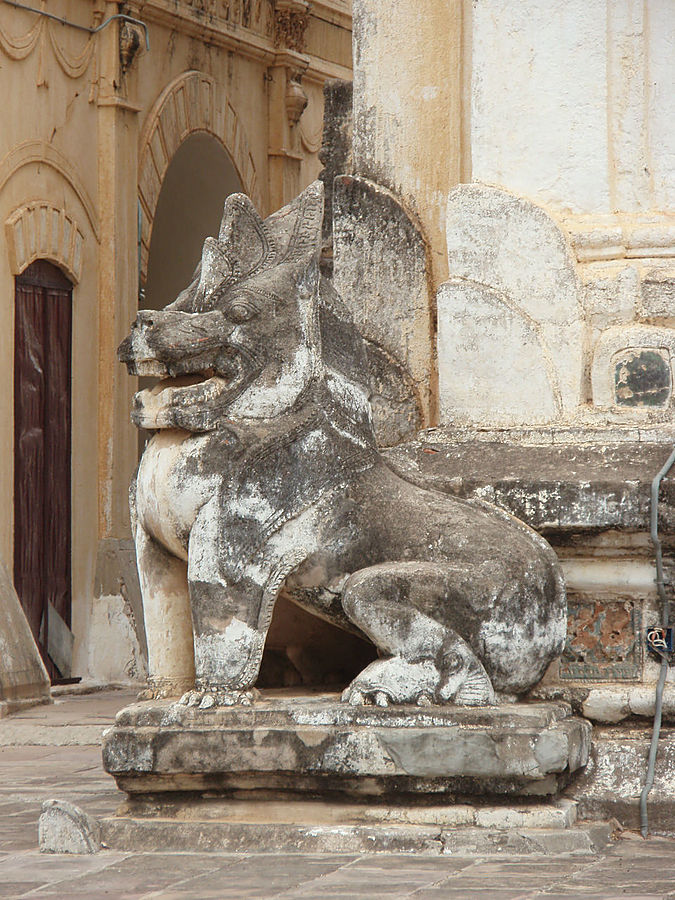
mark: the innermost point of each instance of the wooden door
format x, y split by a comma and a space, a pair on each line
42, 423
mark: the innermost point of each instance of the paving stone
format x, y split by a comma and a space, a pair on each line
264, 876
138, 875
15, 889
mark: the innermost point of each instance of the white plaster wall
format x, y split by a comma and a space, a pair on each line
572, 103
660, 86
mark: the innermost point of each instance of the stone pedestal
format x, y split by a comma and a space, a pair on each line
587, 491
308, 773
315, 743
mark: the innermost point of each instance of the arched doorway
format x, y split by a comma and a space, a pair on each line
190, 206
42, 453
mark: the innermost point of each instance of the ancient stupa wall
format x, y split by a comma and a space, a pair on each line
570, 116
530, 149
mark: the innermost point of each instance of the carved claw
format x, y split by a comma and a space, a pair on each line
154, 693
356, 697
394, 680
191, 698
217, 698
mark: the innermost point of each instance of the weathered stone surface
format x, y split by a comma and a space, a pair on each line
381, 272
492, 362
625, 370
512, 280
23, 676
614, 703
610, 295
552, 487
116, 573
309, 743
65, 828
264, 476
130, 833
612, 782
335, 154
658, 294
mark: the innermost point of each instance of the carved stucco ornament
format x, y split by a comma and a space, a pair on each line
263, 475
291, 18
296, 99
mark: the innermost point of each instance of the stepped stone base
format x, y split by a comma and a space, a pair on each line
265, 831
611, 784
275, 824
314, 743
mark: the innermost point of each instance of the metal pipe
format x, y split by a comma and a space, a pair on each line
62, 21
665, 621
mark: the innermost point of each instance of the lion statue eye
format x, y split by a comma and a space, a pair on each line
241, 311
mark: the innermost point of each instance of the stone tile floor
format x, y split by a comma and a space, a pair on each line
51, 751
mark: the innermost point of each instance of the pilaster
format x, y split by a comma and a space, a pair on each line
118, 275
287, 101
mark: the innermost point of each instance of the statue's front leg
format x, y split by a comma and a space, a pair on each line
228, 643
166, 609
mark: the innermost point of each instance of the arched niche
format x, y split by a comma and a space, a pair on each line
190, 206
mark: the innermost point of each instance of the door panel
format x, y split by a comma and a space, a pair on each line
42, 425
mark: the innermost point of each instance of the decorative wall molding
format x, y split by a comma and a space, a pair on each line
44, 31
39, 230
193, 102
44, 154
634, 236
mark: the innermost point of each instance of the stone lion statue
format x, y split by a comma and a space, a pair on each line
263, 474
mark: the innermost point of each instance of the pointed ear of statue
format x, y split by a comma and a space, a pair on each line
242, 235
215, 268
296, 229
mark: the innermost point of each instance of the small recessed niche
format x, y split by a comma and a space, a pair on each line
642, 377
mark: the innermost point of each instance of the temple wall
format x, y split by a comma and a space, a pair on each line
568, 117
551, 360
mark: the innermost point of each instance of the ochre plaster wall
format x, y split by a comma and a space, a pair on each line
79, 117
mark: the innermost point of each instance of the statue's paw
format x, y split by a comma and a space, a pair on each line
154, 693
395, 680
191, 698
213, 698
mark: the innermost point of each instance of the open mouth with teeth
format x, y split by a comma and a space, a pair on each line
166, 403
201, 370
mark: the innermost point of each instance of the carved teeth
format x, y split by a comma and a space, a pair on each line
381, 699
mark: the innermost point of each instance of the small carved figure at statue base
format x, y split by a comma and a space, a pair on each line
263, 476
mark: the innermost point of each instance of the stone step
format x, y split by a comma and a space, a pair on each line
164, 835
288, 811
612, 782
281, 825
